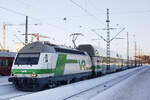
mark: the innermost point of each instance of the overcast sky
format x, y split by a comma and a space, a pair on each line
81, 16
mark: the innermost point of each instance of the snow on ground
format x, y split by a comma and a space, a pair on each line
8, 90
65, 91
4, 80
136, 87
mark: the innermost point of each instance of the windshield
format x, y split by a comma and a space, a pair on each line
27, 59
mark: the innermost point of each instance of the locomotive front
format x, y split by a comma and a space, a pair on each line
29, 70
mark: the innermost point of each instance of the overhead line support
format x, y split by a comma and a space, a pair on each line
26, 32
108, 41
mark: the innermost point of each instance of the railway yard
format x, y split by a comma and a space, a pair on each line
74, 50
83, 90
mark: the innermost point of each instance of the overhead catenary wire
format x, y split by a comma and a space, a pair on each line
18, 13
22, 2
99, 35
94, 6
33, 18
116, 35
98, 14
133, 12
41, 21
86, 11
122, 13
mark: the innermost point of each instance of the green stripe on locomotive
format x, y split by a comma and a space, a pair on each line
59, 70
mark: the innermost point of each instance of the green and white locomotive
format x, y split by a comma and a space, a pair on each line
41, 64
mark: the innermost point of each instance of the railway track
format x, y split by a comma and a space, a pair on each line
91, 92
8, 91
4, 80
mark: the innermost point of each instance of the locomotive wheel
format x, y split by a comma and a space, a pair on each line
51, 84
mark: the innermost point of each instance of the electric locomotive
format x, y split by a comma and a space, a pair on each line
42, 64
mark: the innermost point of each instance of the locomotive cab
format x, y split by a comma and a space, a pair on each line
30, 62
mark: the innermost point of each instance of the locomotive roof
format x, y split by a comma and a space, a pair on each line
36, 47
43, 46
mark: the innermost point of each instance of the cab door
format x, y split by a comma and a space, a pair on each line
46, 60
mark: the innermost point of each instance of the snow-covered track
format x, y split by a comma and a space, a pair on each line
8, 91
91, 92
4, 81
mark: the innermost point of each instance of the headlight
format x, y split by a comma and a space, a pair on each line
14, 74
34, 75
